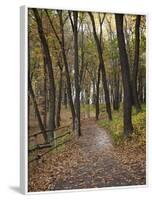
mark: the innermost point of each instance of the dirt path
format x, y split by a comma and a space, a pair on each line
95, 162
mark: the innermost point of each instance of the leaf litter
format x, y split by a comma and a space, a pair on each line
90, 161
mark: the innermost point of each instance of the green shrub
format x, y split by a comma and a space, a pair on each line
115, 127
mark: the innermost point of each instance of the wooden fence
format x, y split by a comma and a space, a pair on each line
52, 145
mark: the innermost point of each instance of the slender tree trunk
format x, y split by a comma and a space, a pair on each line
94, 92
136, 64
97, 96
76, 75
59, 100
115, 78
31, 92
65, 95
116, 92
102, 67
82, 54
45, 95
128, 128
42, 128
66, 69
50, 74
87, 95
62, 44
128, 49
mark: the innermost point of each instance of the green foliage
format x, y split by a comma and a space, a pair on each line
139, 123
115, 127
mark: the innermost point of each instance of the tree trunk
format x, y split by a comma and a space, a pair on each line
136, 64
42, 128
82, 54
66, 69
76, 75
50, 74
128, 128
31, 92
116, 92
45, 95
87, 95
59, 100
97, 96
65, 95
102, 67
94, 92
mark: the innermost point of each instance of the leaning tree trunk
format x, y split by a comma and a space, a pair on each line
128, 128
136, 64
50, 74
31, 92
76, 75
102, 67
37, 110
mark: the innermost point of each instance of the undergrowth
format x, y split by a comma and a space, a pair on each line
115, 127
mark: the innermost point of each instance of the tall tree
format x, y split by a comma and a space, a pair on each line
136, 64
97, 94
45, 94
76, 74
102, 67
50, 74
114, 63
99, 71
62, 45
31, 92
128, 128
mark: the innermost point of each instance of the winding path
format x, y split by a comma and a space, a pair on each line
90, 161
103, 167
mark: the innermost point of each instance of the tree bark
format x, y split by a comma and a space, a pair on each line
97, 96
136, 64
65, 95
42, 128
66, 69
50, 74
116, 102
45, 95
58, 118
31, 92
76, 74
128, 128
102, 67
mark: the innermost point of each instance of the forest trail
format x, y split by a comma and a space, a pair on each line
91, 161
102, 167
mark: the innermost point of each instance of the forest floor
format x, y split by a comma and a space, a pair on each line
91, 161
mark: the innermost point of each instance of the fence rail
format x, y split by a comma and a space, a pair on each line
39, 156
52, 145
46, 131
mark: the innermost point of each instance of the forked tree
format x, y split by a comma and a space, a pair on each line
102, 67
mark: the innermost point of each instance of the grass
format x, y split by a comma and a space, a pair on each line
115, 127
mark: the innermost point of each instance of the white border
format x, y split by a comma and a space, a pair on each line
23, 100
24, 96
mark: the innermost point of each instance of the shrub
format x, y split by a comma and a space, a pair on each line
115, 127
